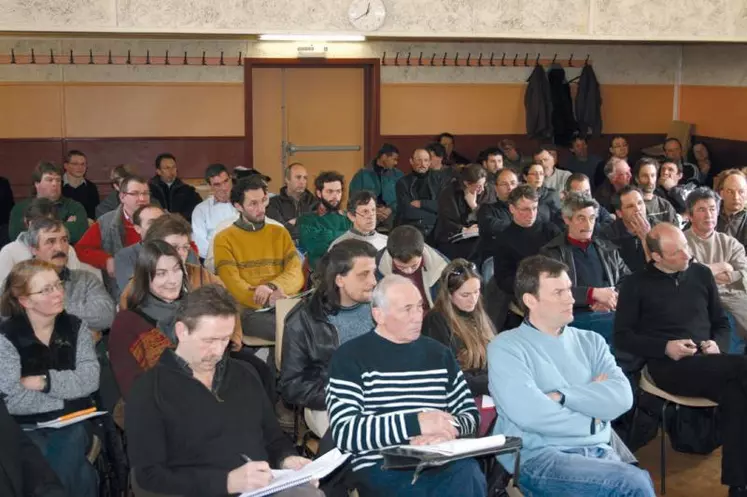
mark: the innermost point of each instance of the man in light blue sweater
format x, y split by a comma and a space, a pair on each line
558, 388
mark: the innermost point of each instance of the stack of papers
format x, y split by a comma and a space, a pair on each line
460, 446
316, 470
67, 420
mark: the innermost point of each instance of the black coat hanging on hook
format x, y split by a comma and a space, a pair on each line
538, 105
563, 122
589, 103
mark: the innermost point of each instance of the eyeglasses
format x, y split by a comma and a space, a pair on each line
144, 194
50, 289
366, 213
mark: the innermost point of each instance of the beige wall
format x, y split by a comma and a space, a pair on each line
664, 20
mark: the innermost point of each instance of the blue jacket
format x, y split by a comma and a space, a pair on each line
382, 183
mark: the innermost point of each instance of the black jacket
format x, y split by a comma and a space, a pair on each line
538, 105
454, 213
435, 326
23, 470
559, 248
86, 194
492, 219
309, 340
181, 198
548, 209
283, 208
589, 103
184, 439
424, 217
563, 121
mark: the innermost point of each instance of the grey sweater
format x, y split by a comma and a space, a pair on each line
86, 297
64, 385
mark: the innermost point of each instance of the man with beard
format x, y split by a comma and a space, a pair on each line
202, 424
319, 229
85, 295
337, 312
657, 208
257, 261
417, 193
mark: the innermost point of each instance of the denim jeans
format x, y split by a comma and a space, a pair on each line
461, 478
65, 450
599, 322
581, 472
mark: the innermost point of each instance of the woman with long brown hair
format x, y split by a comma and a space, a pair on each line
459, 321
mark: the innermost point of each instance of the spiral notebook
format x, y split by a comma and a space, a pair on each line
316, 470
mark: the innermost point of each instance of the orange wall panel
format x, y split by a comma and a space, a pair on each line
637, 108
31, 111
122, 110
462, 109
716, 111
267, 100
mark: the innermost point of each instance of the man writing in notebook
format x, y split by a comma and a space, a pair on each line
392, 386
558, 388
198, 423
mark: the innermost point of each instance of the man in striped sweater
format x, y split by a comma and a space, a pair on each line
392, 386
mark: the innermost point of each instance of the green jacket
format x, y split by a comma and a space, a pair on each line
383, 185
316, 233
66, 208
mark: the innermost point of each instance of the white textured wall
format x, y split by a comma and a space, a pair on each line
668, 20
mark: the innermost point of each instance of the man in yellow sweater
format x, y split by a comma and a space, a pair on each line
257, 261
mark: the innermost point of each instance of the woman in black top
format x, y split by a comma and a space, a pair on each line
458, 320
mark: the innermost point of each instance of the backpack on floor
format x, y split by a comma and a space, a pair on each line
693, 430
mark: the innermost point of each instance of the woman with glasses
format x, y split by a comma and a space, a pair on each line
142, 331
48, 369
459, 321
549, 198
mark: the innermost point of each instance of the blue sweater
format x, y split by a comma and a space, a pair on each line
524, 365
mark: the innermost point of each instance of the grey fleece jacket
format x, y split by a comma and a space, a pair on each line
86, 297
64, 385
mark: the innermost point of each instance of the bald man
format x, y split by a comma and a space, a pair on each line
670, 314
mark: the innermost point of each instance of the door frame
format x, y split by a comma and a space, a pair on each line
371, 96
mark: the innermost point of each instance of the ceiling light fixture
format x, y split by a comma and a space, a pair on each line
321, 37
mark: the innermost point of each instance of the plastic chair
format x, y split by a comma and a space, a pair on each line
647, 385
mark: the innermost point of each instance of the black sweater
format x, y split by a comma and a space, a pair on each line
654, 307
436, 327
184, 439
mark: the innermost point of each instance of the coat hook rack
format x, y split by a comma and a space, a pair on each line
443, 62
554, 58
526, 59
479, 60
503, 60
586, 62
166, 59
204, 60
33, 57
147, 57
433, 59
241, 60
383, 59
515, 57
409, 54
109, 59
90, 57
537, 61
396, 59
222, 62
12, 56
185, 62
492, 56
469, 55
420, 59
51, 56
456, 60
129, 57
570, 61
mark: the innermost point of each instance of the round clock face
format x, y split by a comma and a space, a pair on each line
367, 15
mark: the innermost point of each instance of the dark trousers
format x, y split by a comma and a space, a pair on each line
721, 378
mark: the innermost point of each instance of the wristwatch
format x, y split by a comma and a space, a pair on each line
562, 398
45, 378
271, 286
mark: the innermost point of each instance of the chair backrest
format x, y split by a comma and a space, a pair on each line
647, 385
282, 308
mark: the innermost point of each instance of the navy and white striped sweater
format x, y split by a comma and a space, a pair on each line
377, 388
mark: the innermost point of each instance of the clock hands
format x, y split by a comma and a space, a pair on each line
368, 9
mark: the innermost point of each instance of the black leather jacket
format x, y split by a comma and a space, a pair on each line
560, 249
309, 340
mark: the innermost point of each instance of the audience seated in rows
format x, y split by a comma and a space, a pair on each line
670, 314
197, 423
672, 187
407, 255
170, 191
85, 295
617, 176
495, 217
257, 261
619, 149
19, 250
114, 230
363, 398
75, 186
47, 180
338, 311
318, 229
673, 153
126, 258
212, 211
630, 228
732, 219
458, 320
380, 177
719, 252
554, 178
293, 200
595, 267
417, 193
657, 207
558, 388
48, 368
362, 213
549, 198
458, 205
